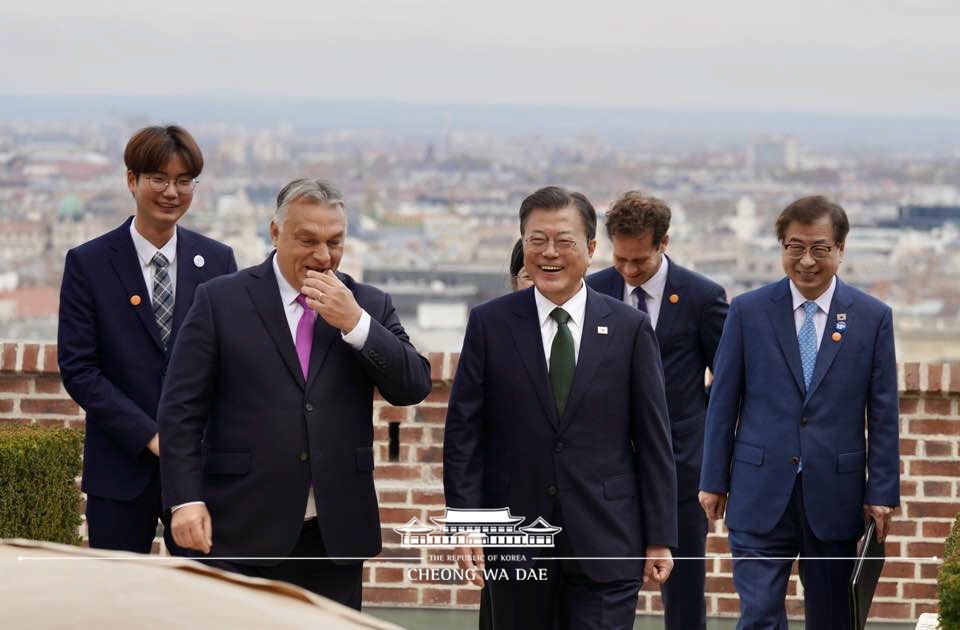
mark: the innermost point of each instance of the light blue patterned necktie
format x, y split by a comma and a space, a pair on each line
807, 337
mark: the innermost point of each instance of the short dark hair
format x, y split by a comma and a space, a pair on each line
151, 148
516, 259
635, 214
556, 198
806, 210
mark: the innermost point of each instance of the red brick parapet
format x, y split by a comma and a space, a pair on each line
411, 485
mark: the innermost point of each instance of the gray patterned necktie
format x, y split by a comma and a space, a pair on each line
162, 297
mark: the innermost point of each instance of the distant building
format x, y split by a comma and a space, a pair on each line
925, 217
773, 154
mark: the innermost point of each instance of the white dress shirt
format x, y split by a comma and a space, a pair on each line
575, 307
823, 308
145, 253
654, 288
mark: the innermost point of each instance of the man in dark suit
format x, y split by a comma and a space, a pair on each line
557, 411
266, 417
804, 366
123, 299
687, 312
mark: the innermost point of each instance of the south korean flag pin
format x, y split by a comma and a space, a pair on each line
198, 261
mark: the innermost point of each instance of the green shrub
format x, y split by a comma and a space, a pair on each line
948, 580
39, 498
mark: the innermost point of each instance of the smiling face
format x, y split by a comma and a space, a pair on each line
556, 252
636, 258
812, 275
310, 237
160, 211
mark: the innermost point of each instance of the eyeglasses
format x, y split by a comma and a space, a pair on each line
796, 251
183, 185
539, 244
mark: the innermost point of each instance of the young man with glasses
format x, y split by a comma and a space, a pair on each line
123, 298
804, 366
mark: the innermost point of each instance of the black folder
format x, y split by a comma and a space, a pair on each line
866, 574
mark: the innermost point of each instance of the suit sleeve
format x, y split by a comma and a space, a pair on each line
186, 403
723, 410
883, 421
231, 262
650, 429
391, 361
462, 437
78, 354
711, 325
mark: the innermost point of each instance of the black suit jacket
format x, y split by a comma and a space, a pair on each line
607, 460
111, 359
688, 331
242, 430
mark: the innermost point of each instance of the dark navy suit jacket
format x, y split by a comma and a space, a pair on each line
242, 430
111, 359
607, 459
688, 332
761, 417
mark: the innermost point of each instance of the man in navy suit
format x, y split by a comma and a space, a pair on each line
687, 311
804, 366
123, 299
557, 411
266, 420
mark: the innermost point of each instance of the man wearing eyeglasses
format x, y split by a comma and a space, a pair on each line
804, 366
123, 298
557, 411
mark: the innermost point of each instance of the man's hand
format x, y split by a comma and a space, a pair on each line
658, 565
471, 558
882, 515
192, 528
154, 445
714, 504
331, 299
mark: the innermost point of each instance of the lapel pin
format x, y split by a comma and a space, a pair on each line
841, 326
836, 336
674, 298
601, 330
198, 261
841, 317
135, 300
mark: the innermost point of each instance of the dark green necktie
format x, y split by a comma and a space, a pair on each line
562, 359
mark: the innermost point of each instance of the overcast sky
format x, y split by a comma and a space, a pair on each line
839, 56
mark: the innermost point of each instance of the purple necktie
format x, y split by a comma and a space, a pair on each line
641, 298
305, 334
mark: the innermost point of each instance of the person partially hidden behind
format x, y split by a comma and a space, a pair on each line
266, 420
804, 366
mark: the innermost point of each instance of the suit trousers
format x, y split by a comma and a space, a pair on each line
130, 525
762, 584
307, 567
683, 601
567, 600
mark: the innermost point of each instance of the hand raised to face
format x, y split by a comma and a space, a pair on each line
331, 299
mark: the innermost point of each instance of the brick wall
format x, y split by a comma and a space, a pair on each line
410, 484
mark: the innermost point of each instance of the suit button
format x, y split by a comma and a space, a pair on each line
303, 456
308, 407
795, 460
552, 490
803, 421
558, 447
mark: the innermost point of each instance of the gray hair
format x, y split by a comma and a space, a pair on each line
316, 190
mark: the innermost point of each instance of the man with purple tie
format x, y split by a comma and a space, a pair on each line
266, 418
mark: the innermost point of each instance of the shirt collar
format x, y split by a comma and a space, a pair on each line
287, 293
146, 249
657, 283
823, 302
575, 306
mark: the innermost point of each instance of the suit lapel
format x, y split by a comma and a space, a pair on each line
188, 277
525, 329
785, 328
829, 348
593, 347
669, 312
124, 260
265, 294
